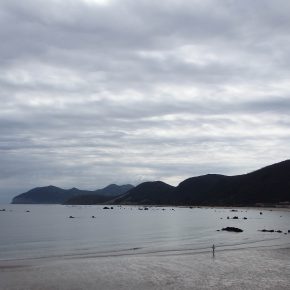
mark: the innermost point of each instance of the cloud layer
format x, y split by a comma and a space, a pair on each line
94, 92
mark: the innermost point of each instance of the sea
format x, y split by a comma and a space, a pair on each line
43, 231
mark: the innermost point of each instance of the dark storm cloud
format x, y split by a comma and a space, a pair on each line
94, 92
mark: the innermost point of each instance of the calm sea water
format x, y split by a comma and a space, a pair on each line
47, 230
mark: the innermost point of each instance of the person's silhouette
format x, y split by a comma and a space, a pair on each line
213, 249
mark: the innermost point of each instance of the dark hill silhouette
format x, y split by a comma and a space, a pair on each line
55, 195
268, 185
46, 195
155, 192
198, 189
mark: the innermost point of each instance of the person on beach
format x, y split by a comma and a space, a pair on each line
213, 249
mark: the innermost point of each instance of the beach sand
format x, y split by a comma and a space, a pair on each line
256, 268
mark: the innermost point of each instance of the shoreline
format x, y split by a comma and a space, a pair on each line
270, 208
285, 209
254, 268
269, 244
146, 258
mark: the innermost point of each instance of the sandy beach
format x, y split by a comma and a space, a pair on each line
256, 268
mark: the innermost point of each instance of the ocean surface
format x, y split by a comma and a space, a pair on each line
40, 231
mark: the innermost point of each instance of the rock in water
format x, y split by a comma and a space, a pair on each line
267, 231
232, 229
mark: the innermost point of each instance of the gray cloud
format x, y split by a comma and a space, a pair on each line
127, 91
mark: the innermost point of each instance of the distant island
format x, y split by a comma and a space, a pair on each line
267, 186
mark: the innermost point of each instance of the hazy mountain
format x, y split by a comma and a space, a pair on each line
55, 195
267, 185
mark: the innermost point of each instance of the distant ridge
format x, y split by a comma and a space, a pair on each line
55, 195
269, 185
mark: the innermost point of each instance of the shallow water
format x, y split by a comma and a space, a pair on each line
46, 230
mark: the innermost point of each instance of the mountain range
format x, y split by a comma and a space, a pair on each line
55, 195
269, 185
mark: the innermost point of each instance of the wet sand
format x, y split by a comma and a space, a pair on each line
256, 268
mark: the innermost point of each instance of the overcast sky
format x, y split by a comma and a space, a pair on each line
94, 92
